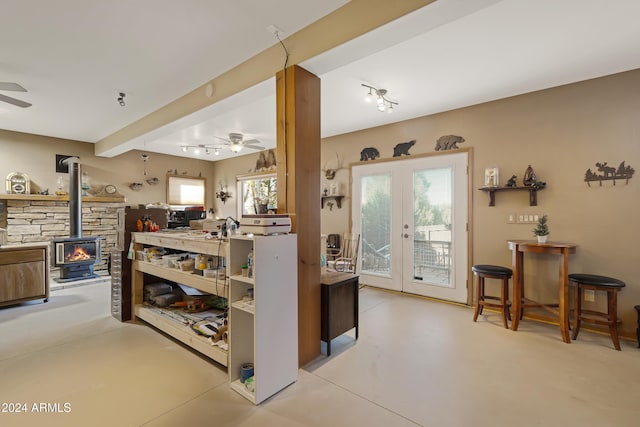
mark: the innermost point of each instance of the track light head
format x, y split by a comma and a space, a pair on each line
382, 102
121, 101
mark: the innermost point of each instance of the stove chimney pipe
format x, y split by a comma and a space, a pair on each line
75, 197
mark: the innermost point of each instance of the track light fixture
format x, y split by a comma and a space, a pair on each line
197, 149
383, 103
121, 99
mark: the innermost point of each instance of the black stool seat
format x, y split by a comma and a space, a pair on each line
482, 272
637, 307
594, 279
492, 270
594, 282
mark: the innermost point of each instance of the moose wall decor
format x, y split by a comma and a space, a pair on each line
609, 173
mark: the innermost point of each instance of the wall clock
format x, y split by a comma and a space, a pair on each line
110, 189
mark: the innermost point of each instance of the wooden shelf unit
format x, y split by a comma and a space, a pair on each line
194, 243
265, 334
533, 193
338, 200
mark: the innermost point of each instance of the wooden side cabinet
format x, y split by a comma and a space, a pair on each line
24, 273
339, 305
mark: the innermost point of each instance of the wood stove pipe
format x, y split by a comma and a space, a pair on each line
75, 197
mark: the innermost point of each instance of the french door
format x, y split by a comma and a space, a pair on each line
412, 219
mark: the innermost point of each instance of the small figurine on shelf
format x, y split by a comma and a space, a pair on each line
491, 177
512, 182
529, 177
531, 180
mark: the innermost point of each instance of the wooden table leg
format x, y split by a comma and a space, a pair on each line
563, 299
518, 276
356, 308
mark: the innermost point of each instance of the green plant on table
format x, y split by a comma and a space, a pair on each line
542, 228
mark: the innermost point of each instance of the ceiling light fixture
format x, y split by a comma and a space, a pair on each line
197, 149
235, 147
383, 103
121, 99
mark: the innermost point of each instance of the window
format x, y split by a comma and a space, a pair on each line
186, 190
259, 194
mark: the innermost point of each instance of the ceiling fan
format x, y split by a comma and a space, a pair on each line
14, 87
235, 142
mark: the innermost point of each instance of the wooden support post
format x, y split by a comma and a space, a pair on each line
298, 170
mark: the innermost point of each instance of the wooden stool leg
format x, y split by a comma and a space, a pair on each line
508, 306
479, 295
504, 296
612, 297
577, 301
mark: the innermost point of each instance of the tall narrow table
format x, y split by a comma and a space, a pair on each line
518, 248
339, 301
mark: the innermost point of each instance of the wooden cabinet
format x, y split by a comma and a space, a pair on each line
339, 302
263, 314
156, 316
24, 273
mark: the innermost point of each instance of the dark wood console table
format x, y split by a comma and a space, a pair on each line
339, 302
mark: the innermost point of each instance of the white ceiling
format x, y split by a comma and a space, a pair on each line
75, 57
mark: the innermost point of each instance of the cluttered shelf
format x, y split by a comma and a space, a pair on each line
189, 299
182, 326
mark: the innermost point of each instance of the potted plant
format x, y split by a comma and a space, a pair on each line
542, 229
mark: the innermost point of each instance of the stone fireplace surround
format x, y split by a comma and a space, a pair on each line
40, 218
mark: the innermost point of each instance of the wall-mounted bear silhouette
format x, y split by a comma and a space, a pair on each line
369, 153
403, 148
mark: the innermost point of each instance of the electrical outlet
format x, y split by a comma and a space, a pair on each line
589, 295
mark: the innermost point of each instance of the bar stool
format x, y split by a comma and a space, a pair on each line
637, 307
582, 282
482, 272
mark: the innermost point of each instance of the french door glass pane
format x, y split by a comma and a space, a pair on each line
432, 201
375, 228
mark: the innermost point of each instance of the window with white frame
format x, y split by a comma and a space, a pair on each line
259, 194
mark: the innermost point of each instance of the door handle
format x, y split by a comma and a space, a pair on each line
406, 236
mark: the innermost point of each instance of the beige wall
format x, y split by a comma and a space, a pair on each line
35, 156
561, 132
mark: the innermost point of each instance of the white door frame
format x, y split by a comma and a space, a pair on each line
461, 274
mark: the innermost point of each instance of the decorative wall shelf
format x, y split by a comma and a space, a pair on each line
338, 200
533, 193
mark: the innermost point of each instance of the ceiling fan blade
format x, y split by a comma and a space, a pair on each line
14, 101
251, 141
255, 147
12, 87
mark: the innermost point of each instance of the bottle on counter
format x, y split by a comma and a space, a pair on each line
250, 264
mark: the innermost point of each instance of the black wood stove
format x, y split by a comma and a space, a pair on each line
76, 254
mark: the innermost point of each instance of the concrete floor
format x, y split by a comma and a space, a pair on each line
417, 362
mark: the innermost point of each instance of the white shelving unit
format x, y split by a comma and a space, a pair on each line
158, 317
264, 333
